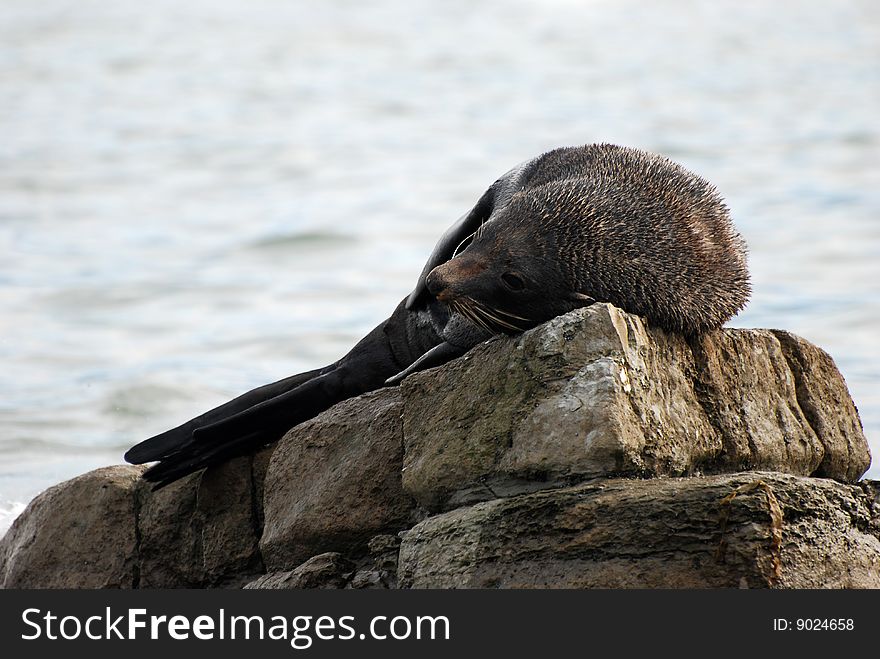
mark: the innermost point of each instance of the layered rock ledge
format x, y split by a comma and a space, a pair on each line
592, 451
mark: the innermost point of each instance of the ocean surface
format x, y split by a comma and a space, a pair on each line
200, 197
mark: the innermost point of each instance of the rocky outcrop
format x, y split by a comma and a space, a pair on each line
330, 570
335, 482
202, 530
106, 529
78, 534
597, 393
753, 530
590, 451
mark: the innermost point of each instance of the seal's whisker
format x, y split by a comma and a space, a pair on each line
495, 320
468, 239
459, 308
519, 327
467, 308
499, 324
462, 309
476, 320
474, 314
510, 315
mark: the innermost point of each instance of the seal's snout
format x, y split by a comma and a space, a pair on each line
455, 278
437, 285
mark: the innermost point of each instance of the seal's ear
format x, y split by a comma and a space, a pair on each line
450, 240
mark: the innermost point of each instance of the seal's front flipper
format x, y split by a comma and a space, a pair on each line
434, 357
582, 299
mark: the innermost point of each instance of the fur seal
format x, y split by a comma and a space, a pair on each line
568, 228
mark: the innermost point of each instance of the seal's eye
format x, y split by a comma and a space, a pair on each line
512, 281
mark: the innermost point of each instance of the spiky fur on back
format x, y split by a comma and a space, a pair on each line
634, 229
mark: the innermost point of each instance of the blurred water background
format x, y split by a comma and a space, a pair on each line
200, 197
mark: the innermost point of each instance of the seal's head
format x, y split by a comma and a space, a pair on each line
504, 277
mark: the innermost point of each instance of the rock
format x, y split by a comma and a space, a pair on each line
595, 393
717, 531
380, 570
170, 544
78, 534
259, 468
747, 391
107, 529
328, 570
201, 530
824, 398
332, 570
334, 482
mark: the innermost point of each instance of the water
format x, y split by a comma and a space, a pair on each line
200, 197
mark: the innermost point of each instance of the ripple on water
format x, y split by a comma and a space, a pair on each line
304, 241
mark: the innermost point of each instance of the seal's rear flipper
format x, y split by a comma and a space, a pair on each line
434, 357
195, 456
263, 415
261, 424
246, 431
166, 443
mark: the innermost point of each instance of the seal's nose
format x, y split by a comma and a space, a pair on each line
455, 278
437, 285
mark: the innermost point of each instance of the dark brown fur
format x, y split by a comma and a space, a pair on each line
606, 223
